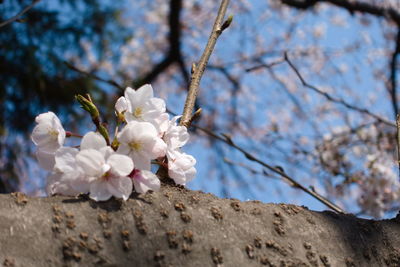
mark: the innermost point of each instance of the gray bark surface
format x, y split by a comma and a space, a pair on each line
179, 227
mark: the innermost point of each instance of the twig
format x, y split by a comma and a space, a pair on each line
241, 164
265, 65
94, 76
26, 9
398, 140
253, 171
389, 13
336, 100
278, 170
198, 69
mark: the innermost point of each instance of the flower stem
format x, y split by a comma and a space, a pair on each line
71, 134
88, 105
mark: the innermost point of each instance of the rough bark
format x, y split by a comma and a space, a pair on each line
179, 227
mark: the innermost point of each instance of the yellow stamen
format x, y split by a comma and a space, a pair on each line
105, 176
53, 133
135, 146
138, 112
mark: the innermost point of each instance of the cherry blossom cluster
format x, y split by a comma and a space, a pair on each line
378, 186
381, 188
104, 170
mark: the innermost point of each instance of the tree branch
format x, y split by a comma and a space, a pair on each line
16, 17
352, 6
174, 53
184, 72
155, 71
199, 68
336, 100
179, 227
265, 65
94, 76
393, 76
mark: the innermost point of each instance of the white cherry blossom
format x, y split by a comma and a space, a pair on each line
378, 194
175, 136
161, 123
106, 172
121, 105
142, 105
140, 141
95, 168
66, 177
181, 167
48, 134
144, 181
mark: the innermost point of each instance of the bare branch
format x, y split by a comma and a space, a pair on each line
336, 100
217, 30
265, 65
16, 17
278, 170
94, 76
174, 54
352, 6
184, 72
393, 75
254, 171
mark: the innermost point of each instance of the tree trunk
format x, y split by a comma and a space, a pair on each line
179, 227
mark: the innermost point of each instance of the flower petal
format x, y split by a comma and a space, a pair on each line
145, 181
145, 92
120, 187
65, 159
45, 117
93, 140
159, 148
161, 123
45, 141
121, 165
99, 190
121, 105
45, 159
141, 161
91, 161
56, 184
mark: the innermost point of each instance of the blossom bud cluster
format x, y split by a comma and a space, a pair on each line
148, 135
